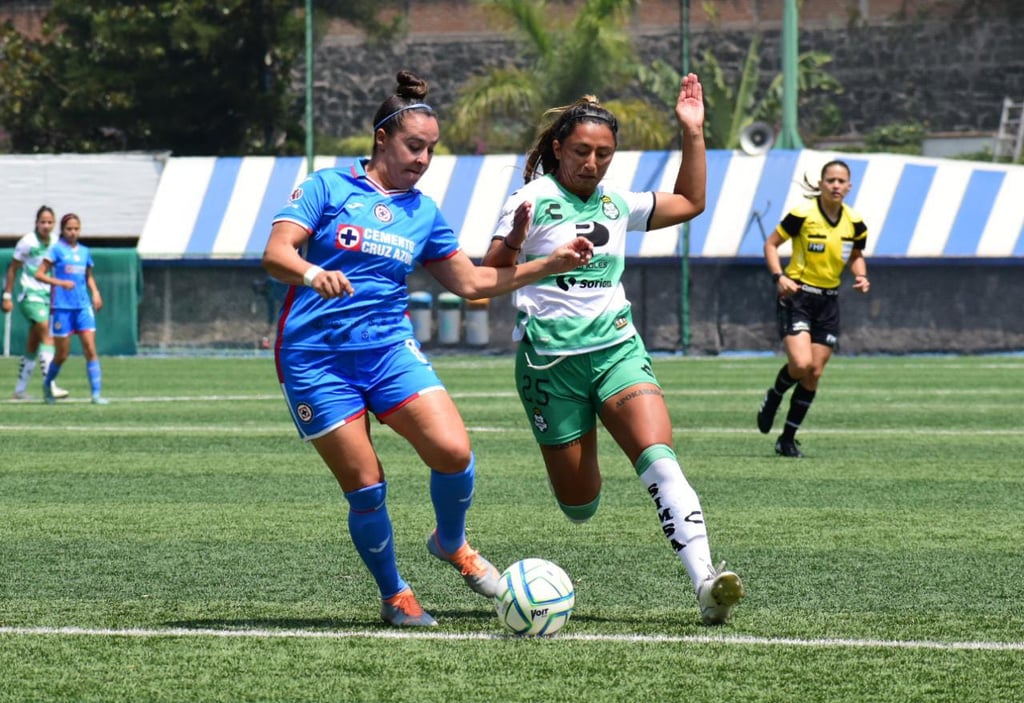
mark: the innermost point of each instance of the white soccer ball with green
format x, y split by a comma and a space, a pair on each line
535, 597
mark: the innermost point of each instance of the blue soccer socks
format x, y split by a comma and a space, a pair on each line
370, 527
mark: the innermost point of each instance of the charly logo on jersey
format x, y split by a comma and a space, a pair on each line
304, 411
348, 237
296, 194
552, 211
383, 213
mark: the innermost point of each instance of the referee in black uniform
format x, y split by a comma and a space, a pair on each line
826, 235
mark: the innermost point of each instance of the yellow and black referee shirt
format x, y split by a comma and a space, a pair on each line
821, 247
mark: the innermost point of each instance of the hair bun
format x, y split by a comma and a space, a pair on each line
411, 86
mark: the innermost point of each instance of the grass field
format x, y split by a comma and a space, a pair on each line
181, 544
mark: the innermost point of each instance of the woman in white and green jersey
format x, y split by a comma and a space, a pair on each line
580, 357
33, 300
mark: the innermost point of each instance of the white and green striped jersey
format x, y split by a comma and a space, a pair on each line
585, 309
29, 252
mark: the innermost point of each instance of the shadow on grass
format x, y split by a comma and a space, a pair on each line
483, 620
478, 616
282, 624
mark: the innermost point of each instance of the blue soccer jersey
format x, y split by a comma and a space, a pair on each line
70, 263
375, 237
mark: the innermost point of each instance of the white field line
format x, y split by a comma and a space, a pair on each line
758, 392
159, 399
284, 427
865, 392
862, 363
853, 364
742, 640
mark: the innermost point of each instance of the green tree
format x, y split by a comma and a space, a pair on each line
187, 76
22, 108
590, 54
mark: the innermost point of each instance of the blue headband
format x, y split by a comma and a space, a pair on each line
401, 109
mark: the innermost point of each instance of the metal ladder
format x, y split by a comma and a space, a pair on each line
1010, 138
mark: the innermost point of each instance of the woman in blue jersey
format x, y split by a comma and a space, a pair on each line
826, 234
33, 300
580, 357
345, 244
74, 301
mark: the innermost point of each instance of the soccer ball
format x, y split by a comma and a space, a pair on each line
535, 597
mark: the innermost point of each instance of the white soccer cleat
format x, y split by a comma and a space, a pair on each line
57, 391
718, 594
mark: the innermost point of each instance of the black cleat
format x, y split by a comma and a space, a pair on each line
769, 406
789, 448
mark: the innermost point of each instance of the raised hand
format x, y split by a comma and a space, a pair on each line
690, 104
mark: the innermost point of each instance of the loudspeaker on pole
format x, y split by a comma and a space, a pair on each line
757, 138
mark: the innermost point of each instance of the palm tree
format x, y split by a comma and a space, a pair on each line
592, 54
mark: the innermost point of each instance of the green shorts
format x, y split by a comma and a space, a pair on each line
562, 400
34, 311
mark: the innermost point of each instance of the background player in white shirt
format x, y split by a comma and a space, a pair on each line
33, 298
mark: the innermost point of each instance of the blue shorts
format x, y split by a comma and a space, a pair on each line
65, 322
327, 389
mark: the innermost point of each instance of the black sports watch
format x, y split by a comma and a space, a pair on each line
777, 276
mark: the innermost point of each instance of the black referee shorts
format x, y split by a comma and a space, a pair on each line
814, 310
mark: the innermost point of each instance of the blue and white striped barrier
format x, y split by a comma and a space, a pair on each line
913, 206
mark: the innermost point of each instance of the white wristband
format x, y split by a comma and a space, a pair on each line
311, 273
8, 296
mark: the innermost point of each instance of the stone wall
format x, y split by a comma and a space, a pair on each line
952, 77
898, 60
447, 17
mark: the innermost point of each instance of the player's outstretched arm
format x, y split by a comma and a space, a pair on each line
464, 278
282, 261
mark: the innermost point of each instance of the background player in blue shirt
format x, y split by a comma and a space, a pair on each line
345, 346
74, 301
